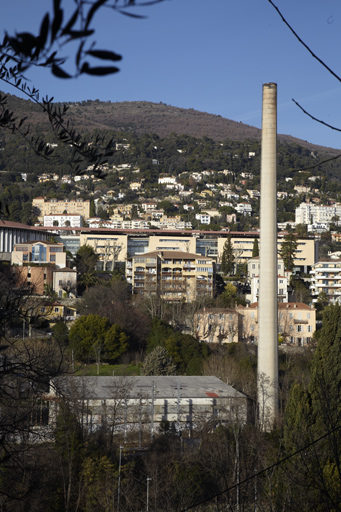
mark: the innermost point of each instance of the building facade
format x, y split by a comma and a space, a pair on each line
42, 207
127, 404
325, 276
296, 323
172, 275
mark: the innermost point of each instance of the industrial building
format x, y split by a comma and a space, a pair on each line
124, 404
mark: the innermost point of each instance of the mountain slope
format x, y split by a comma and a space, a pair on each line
146, 117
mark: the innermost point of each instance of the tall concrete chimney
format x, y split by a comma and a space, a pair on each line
268, 309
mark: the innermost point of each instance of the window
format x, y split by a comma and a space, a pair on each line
56, 310
52, 257
308, 316
299, 328
310, 329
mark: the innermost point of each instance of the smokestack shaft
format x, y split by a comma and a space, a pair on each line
268, 309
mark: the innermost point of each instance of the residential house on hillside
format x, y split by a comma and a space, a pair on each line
217, 325
296, 322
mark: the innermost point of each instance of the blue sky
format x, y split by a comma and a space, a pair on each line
213, 56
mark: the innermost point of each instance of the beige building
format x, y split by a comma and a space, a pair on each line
296, 322
35, 262
111, 248
42, 207
166, 242
217, 325
38, 252
173, 275
306, 253
65, 282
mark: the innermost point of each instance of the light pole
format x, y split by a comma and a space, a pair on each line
119, 480
148, 480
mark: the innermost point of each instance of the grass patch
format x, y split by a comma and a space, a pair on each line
107, 370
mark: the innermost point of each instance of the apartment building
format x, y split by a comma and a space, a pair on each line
42, 207
325, 276
173, 275
111, 248
283, 277
35, 262
207, 243
310, 213
39, 252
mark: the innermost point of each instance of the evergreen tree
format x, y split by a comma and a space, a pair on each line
255, 248
313, 413
288, 251
158, 362
228, 258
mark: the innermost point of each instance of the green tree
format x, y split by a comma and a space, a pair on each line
288, 251
158, 362
255, 248
93, 337
228, 257
61, 333
229, 296
85, 261
314, 412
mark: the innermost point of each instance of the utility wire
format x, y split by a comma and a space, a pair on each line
315, 118
304, 44
264, 470
317, 165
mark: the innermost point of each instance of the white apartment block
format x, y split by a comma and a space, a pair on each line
310, 213
283, 278
326, 277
